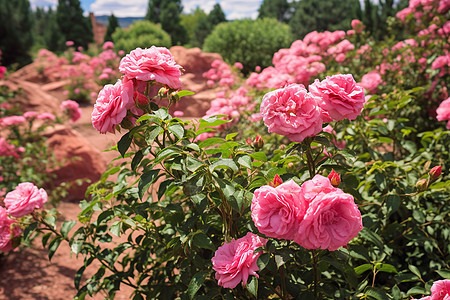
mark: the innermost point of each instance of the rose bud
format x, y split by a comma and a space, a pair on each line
259, 142
435, 172
334, 178
276, 181
422, 185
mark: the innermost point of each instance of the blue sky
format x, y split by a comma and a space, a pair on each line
234, 9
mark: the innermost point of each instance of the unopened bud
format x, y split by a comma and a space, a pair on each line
435, 172
276, 181
259, 142
422, 185
334, 178
163, 92
126, 123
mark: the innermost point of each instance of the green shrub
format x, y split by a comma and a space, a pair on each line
251, 42
142, 34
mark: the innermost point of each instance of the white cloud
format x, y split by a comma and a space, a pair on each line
233, 9
43, 3
120, 8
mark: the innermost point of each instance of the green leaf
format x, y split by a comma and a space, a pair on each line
116, 228
146, 180
45, 238
67, 226
396, 293
210, 142
192, 164
221, 163
415, 270
201, 240
444, 273
162, 113
376, 293
261, 156
177, 130
78, 276
252, 286
76, 246
372, 237
263, 260
416, 291
184, 93
53, 246
363, 268
245, 161
151, 133
392, 203
212, 121
231, 136
30, 229
124, 144
385, 268
136, 160
196, 283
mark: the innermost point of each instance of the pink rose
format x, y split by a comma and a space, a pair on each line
238, 65
72, 108
6, 233
108, 45
371, 81
12, 120
340, 96
443, 112
332, 218
292, 111
155, 63
2, 72
24, 199
46, 116
235, 261
112, 104
277, 212
69, 43
440, 290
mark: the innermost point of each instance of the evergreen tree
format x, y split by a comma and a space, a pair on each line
73, 25
113, 23
277, 9
202, 29
216, 16
321, 15
53, 37
16, 36
167, 13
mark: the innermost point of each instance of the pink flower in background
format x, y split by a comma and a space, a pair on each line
339, 144
291, 111
332, 218
235, 261
69, 43
24, 199
339, 96
277, 212
46, 116
178, 113
258, 69
443, 112
121, 52
371, 81
111, 106
340, 57
72, 108
30, 114
238, 65
7, 149
440, 62
440, 290
2, 72
108, 45
12, 120
155, 63
6, 233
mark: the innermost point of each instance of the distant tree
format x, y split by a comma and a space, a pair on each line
190, 23
16, 36
216, 16
278, 9
113, 23
321, 15
54, 39
167, 13
73, 25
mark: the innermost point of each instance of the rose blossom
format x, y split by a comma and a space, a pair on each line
332, 218
440, 290
443, 112
12, 120
292, 111
72, 108
235, 261
5, 231
24, 199
155, 63
371, 81
112, 104
340, 96
277, 212
46, 116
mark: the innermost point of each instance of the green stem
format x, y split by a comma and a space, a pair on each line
315, 260
284, 293
310, 160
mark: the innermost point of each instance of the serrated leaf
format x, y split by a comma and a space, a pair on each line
196, 283
162, 113
124, 143
177, 130
252, 286
221, 163
67, 226
245, 161
146, 180
201, 240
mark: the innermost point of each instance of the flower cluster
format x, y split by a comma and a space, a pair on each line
220, 71
296, 113
18, 203
141, 68
72, 109
316, 215
443, 112
236, 260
